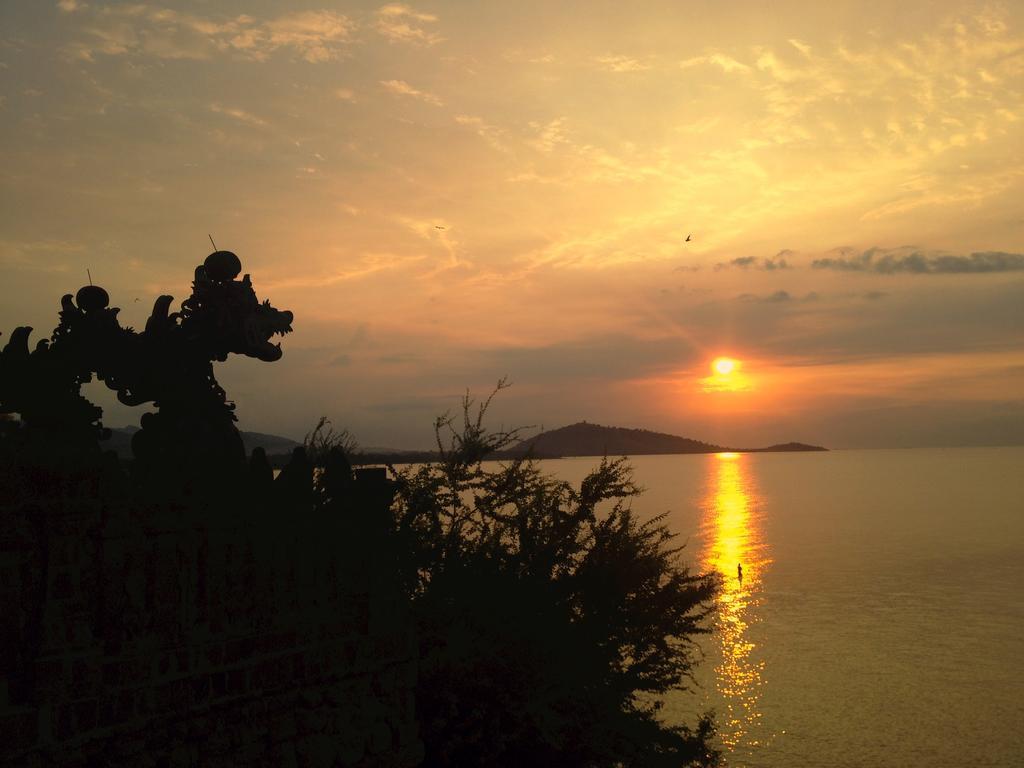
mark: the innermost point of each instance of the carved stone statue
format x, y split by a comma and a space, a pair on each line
170, 364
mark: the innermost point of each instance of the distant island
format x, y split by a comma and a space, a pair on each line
581, 439
585, 439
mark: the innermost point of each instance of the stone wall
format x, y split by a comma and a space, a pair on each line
226, 633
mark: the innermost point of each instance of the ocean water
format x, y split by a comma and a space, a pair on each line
880, 619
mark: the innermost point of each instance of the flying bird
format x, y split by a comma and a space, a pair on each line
438, 226
687, 239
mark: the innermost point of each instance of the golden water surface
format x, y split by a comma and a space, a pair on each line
880, 621
734, 540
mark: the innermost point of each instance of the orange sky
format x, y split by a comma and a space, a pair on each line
851, 174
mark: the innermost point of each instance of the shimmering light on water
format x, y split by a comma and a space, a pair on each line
736, 550
881, 617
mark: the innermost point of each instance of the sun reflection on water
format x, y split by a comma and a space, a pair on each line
734, 547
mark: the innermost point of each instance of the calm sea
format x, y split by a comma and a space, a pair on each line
880, 619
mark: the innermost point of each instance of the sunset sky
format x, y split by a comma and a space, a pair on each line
445, 193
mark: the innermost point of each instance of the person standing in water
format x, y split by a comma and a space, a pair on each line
739, 572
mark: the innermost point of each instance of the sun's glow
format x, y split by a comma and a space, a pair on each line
723, 366
726, 376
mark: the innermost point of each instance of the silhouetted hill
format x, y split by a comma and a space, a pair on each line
585, 439
784, 447
121, 442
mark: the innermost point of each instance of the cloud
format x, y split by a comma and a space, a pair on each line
145, 30
316, 35
401, 24
778, 297
610, 357
402, 88
490, 133
721, 60
368, 265
345, 94
549, 135
750, 262
888, 262
39, 255
70, 6
238, 114
801, 46
774, 298
398, 358
622, 64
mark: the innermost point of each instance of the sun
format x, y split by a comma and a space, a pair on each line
723, 366
726, 376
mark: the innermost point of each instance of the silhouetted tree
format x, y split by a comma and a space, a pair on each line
551, 620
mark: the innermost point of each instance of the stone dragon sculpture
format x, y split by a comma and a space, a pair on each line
169, 364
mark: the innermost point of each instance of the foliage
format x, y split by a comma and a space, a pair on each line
324, 438
552, 621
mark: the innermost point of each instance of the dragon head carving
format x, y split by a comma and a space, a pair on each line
224, 314
260, 327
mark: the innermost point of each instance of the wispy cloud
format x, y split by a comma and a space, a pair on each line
402, 24
887, 262
238, 114
39, 255
316, 35
801, 46
367, 265
145, 30
721, 60
751, 262
490, 133
402, 88
622, 64
778, 297
550, 134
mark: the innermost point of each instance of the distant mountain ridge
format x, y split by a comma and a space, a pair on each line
585, 439
121, 442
